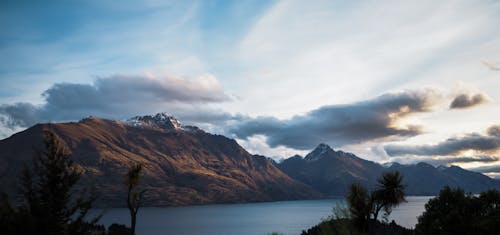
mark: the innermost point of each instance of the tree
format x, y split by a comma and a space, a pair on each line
358, 201
390, 193
50, 204
454, 212
134, 197
365, 206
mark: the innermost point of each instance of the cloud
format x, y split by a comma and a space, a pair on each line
115, 97
495, 66
466, 101
494, 131
487, 168
342, 124
452, 146
436, 161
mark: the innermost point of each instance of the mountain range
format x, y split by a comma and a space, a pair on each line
185, 165
331, 172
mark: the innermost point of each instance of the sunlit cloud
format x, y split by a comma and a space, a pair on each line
342, 124
472, 142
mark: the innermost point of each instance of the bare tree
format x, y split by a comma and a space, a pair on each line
134, 197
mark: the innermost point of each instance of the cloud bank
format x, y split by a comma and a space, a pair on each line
480, 143
117, 96
342, 124
466, 101
436, 161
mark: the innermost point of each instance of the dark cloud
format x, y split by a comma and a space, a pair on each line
481, 143
494, 131
20, 114
115, 97
466, 101
342, 124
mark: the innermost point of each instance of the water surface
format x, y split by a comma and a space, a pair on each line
287, 217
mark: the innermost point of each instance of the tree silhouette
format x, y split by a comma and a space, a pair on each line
454, 212
134, 197
389, 194
364, 206
358, 201
50, 204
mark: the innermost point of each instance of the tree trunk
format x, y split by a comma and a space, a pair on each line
133, 217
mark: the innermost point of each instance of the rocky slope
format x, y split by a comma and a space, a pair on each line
183, 164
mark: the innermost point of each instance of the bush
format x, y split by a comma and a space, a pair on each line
454, 212
119, 229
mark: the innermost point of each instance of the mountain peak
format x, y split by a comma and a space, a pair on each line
319, 152
159, 120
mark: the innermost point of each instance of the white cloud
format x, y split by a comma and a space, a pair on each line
308, 55
257, 144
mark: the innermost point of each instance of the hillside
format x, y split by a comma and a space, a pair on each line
183, 165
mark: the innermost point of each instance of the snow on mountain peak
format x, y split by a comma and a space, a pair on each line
160, 120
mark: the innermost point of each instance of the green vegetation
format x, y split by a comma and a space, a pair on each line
454, 212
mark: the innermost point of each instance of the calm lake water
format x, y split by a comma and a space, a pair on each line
287, 217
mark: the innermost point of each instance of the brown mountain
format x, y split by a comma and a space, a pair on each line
331, 172
183, 165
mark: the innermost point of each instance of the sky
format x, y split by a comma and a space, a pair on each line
391, 81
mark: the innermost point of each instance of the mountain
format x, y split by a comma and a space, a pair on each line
424, 179
183, 164
331, 172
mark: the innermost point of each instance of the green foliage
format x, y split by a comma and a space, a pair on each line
454, 212
50, 204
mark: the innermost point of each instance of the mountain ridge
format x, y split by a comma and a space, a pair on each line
331, 172
185, 165
182, 167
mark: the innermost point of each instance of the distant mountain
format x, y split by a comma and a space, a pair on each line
331, 172
183, 164
424, 179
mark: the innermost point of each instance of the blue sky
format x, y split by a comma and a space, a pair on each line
373, 77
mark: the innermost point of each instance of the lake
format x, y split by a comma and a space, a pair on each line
287, 217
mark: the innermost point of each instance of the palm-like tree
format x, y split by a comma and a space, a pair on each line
390, 193
132, 179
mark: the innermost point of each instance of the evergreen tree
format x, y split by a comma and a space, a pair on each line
50, 202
